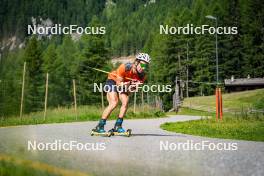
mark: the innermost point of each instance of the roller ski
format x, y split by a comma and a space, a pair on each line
122, 132
97, 133
118, 130
99, 130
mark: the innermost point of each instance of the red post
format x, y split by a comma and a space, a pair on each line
221, 104
217, 103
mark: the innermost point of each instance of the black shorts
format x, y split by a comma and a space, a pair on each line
110, 86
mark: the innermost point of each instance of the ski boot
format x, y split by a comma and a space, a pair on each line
118, 130
99, 129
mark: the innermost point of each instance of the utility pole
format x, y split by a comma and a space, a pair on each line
135, 101
187, 72
176, 97
179, 63
46, 96
102, 99
142, 99
218, 90
74, 98
216, 47
22, 92
216, 54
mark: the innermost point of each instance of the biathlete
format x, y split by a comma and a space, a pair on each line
126, 75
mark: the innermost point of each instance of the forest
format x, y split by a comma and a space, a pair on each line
132, 26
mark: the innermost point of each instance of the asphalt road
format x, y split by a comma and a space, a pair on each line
139, 154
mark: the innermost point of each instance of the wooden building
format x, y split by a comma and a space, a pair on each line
241, 84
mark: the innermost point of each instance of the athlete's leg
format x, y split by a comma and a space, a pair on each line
112, 98
124, 98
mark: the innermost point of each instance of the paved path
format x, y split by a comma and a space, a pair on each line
139, 154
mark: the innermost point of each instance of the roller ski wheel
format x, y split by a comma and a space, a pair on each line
127, 133
104, 134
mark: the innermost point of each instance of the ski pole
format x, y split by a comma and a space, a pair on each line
109, 73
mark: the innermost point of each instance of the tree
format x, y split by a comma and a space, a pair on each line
65, 64
93, 54
34, 89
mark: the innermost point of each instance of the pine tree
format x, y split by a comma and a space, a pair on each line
93, 54
35, 78
65, 65
10, 83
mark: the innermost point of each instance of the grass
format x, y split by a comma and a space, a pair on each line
232, 102
85, 113
237, 122
251, 129
188, 111
11, 166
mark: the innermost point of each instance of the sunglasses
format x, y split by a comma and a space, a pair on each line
144, 66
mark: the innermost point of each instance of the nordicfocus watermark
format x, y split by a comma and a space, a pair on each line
203, 145
58, 29
204, 29
58, 145
131, 88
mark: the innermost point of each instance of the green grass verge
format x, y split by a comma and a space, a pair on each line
11, 169
234, 126
11, 166
231, 101
188, 111
85, 113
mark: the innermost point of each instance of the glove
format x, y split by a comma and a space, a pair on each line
136, 82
